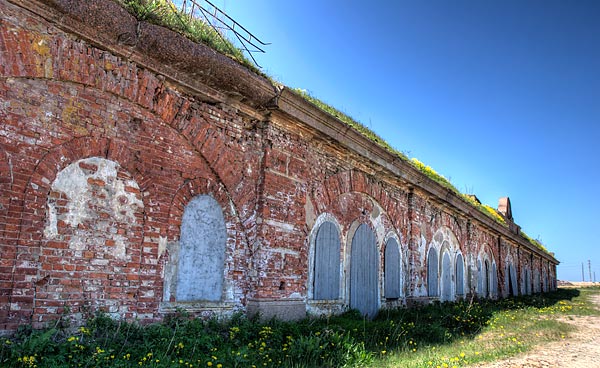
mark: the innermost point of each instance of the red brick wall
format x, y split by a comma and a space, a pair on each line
63, 101
79, 239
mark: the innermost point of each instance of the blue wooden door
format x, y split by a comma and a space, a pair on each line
392, 270
446, 278
432, 273
460, 278
363, 272
327, 263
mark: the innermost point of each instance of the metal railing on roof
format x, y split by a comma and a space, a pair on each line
223, 24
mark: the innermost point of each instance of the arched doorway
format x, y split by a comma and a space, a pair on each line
432, 273
363, 272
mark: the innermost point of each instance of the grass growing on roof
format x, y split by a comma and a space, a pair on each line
165, 13
425, 169
361, 128
432, 174
535, 242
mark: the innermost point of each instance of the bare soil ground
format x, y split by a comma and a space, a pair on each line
580, 350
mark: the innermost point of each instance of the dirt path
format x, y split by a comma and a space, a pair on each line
580, 350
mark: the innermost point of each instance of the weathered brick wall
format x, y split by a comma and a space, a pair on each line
104, 142
75, 235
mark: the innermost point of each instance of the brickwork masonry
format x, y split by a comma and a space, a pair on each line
110, 128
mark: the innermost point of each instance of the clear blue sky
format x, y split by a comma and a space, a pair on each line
501, 97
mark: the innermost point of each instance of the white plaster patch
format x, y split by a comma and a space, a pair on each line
93, 193
162, 245
280, 225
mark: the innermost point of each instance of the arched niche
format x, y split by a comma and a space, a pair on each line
202, 251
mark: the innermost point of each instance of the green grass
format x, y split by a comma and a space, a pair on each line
455, 334
164, 13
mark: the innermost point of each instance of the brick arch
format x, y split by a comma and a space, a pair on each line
485, 252
32, 269
325, 195
189, 190
92, 245
75, 62
238, 256
444, 241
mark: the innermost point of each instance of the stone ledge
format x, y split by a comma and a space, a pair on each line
109, 26
283, 309
171, 307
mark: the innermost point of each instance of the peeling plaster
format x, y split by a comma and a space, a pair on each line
89, 192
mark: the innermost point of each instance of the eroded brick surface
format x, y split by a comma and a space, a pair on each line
100, 157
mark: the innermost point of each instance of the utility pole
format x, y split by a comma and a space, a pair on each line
590, 269
582, 273
594, 276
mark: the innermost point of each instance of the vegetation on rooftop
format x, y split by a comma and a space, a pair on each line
165, 13
433, 175
423, 168
535, 242
345, 118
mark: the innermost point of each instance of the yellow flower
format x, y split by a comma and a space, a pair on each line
209, 364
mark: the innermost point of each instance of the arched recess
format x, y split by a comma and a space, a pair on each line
202, 251
494, 280
206, 199
544, 281
443, 278
487, 277
364, 272
536, 281
432, 273
485, 291
94, 226
392, 270
36, 230
460, 276
510, 280
326, 262
528, 289
480, 278
527, 281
